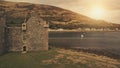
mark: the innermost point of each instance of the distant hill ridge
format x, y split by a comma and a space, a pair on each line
57, 17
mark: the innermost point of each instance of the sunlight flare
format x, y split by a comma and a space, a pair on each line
97, 13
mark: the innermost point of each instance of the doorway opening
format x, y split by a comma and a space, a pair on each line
24, 48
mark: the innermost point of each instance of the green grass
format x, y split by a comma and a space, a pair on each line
56, 58
28, 60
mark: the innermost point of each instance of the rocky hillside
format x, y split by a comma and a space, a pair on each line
16, 13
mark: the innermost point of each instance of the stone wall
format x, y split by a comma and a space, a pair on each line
36, 35
14, 38
2, 33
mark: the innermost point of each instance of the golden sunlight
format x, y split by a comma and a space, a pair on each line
97, 13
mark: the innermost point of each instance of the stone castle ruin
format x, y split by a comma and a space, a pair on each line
31, 36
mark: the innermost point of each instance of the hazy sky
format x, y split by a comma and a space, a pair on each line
108, 10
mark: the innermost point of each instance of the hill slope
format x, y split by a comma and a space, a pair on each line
57, 17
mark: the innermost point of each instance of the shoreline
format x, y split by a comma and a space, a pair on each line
83, 30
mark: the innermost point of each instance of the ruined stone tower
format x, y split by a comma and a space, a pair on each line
35, 34
31, 36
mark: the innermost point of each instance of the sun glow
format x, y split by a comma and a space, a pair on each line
97, 13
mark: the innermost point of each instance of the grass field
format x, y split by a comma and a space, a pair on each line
57, 58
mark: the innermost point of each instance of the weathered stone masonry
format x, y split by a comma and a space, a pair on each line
36, 35
14, 38
31, 36
2, 31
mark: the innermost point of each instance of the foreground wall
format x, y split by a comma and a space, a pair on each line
2, 33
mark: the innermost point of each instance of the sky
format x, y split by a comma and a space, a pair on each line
108, 10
